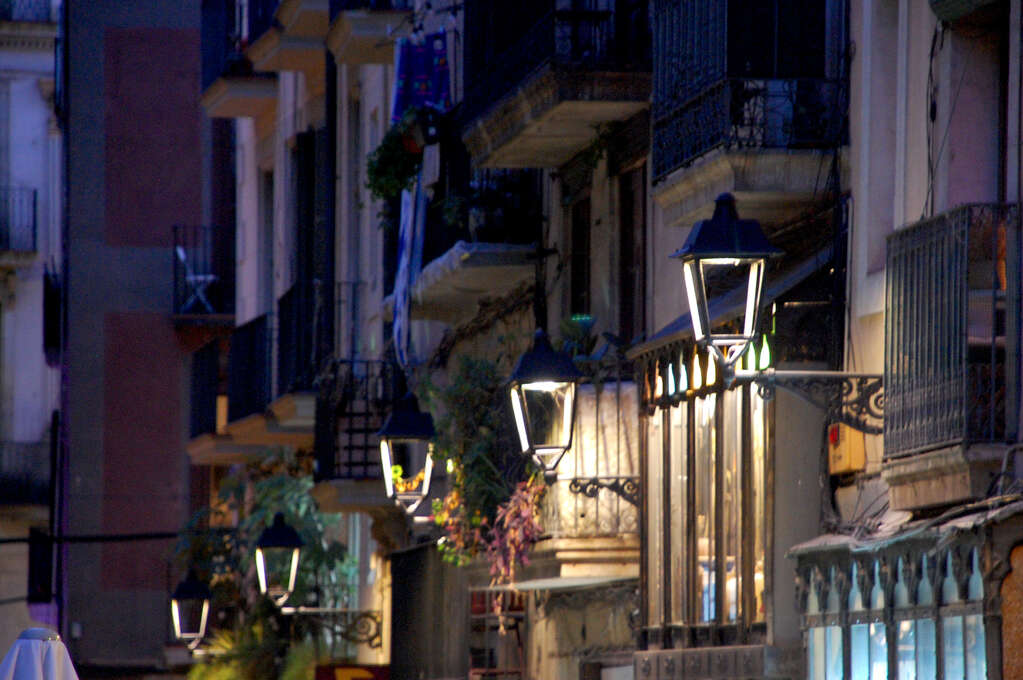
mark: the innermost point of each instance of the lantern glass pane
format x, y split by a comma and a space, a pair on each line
548, 416
277, 570
385, 466
189, 617
694, 296
746, 273
413, 455
520, 422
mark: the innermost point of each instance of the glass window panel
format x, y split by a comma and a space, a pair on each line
926, 650
654, 517
976, 652
759, 440
679, 480
548, 410
952, 640
834, 658
816, 656
906, 645
731, 507
859, 643
878, 652
706, 571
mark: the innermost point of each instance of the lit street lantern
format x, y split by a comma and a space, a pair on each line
277, 553
722, 243
543, 401
190, 608
406, 453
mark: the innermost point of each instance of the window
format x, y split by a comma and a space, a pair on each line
705, 532
495, 639
580, 258
934, 619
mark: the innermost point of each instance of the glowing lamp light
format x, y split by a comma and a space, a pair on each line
542, 388
190, 608
724, 241
277, 553
406, 453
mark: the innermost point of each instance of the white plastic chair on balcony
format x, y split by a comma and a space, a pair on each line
197, 283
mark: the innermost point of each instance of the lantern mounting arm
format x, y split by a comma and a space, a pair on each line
853, 399
359, 626
625, 487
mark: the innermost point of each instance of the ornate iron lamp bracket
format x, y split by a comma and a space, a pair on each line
853, 399
356, 626
627, 488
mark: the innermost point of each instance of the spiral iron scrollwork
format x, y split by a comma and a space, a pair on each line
850, 399
626, 488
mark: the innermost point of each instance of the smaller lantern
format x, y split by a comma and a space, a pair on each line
190, 608
406, 453
724, 242
543, 402
277, 552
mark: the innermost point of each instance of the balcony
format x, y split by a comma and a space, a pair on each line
486, 253
17, 227
951, 354
750, 97
287, 35
356, 397
232, 88
203, 264
537, 94
364, 31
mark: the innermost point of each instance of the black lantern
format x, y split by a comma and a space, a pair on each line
277, 552
724, 241
543, 401
406, 453
190, 608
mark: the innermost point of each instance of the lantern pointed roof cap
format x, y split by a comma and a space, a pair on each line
724, 235
280, 534
406, 421
192, 588
543, 364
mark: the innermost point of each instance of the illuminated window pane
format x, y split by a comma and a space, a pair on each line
730, 486
654, 517
704, 499
976, 653
834, 653
878, 652
859, 642
906, 645
952, 639
758, 423
926, 650
678, 482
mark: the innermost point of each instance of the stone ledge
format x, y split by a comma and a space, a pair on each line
948, 475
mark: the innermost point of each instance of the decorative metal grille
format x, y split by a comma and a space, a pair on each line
945, 333
355, 397
598, 480
737, 113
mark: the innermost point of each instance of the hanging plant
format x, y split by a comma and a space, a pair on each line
394, 164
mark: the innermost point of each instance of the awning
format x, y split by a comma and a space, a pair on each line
560, 583
449, 288
733, 303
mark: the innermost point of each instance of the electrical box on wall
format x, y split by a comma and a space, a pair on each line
846, 452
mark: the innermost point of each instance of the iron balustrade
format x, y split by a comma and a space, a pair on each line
203, 263
741, 113
585, 39
356, 395
249, 370
951, 286
34, 11
225, 31
18, 212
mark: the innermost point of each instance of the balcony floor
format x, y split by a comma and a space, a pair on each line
554, 115
241, 96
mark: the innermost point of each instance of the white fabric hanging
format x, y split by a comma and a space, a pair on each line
38, 654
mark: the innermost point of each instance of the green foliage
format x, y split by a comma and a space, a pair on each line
392, 166
251, 638
473, 434
577, 338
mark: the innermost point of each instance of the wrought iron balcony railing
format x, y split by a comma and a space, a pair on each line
203, 262
33, 11
249, 373
950, 347
225, 35
355, 397
595, 40
738, 113
18, 219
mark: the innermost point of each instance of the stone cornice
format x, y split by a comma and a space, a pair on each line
27, 36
